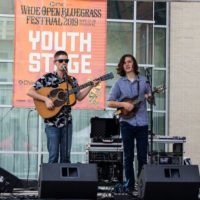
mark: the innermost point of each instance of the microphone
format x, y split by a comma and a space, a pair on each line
64, 68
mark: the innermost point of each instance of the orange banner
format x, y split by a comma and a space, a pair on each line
44, 27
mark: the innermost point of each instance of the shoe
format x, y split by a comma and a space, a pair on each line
136, 187
132, 192
132, 195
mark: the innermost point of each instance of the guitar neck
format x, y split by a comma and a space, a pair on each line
89, 83
138, 101
74, 90
85, 85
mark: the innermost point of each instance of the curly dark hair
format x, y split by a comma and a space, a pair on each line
120, 68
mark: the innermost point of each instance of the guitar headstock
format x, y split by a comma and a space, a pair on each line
159, 89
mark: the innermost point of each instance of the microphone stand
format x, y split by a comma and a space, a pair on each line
67, 107
149, 81
67, 85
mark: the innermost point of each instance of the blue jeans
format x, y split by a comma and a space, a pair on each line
59, 140
129, 135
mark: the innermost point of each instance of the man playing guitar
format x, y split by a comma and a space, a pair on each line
58, 128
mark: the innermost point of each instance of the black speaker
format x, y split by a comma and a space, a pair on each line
166, 182
8, 181
76, 181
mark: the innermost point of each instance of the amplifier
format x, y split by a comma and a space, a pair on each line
103, 129
105, 156
168, 158
110, 146
109, 160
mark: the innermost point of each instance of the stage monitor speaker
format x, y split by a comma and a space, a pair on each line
69, 181
169, 182
8, 181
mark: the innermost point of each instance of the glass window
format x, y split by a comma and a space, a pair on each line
6, 38
19, 130
159, 80
144, 43
20, 165
45, 158
112, 69
120, 9
110, 82
6, 49
159, 123
145, 11
147, 70
44, 139
6, 71
158, 148
119, 40
7, 28
7, 7
6, 94
160, 47
160, 13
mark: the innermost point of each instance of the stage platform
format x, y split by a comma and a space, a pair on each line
103, 193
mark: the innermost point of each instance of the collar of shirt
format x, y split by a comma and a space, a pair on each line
126, 79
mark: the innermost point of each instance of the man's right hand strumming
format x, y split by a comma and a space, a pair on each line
49, 104
128, 106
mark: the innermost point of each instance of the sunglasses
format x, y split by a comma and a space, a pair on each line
63, 60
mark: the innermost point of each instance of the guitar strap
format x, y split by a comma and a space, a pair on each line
65, 78
138, 87
69, 79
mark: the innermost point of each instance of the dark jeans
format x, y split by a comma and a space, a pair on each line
59, 140
130, 134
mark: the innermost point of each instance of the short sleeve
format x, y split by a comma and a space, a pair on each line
114, 94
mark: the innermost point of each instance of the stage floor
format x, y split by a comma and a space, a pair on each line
103, 193
24, 194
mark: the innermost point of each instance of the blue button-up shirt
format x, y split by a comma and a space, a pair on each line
124, 88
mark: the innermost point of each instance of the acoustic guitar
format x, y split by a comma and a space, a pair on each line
122, 112
63, 95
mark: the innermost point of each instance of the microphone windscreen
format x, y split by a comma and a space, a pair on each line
65, 68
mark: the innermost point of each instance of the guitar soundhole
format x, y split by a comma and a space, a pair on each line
54, 92
62, 96
58, 103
